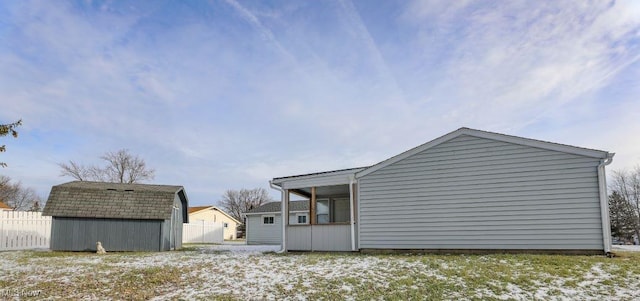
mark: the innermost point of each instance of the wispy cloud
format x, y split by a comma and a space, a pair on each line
517, 61
266, 34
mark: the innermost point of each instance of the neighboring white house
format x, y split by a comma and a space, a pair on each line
215, 215
264, 225
467, 190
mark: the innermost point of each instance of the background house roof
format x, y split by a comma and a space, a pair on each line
112, 200
5, 206
274, 207
198, 208
193, 210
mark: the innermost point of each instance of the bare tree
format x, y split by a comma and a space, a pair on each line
7, 190
237, 202
121, 167
627, 185
74, 170
18, 197
5, 129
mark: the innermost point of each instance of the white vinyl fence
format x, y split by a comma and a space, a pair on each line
21, 230
202, 232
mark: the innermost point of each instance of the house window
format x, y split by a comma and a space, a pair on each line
225, 225
322, 211
332, 211
302, 219
268, 220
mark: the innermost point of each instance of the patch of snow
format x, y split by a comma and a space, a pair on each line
594, 276
625, 248
248, 272
243, 248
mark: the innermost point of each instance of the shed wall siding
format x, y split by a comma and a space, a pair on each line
258, 233
81, 234
477, 193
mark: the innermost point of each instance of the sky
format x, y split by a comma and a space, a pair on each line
218, 95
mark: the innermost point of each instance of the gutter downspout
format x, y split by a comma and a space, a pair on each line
351, 205
604, 204
282, 219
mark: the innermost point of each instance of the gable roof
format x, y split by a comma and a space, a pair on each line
193, 210
4, 206
112, 200
336, 177
198, 208
274, 207
493, 136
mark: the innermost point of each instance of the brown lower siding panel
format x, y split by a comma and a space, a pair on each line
483, 251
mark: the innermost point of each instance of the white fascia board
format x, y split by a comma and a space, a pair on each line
487, 135
322, 178
324, 181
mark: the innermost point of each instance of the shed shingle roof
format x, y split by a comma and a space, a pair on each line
274, 207
111, 200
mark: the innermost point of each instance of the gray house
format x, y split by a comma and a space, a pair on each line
264, 223
467, 190
124, 217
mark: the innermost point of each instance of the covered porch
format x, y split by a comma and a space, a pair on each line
330, 224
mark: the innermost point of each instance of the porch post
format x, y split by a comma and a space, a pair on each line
312, 207
284, 217
352, 213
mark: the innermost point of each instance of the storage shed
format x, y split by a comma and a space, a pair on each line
124, 217
468, 190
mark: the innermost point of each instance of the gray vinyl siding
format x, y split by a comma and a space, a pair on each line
299, 238
172, 229
258, 233
331, 237
319, 238
477, 193
81, 234
177, 223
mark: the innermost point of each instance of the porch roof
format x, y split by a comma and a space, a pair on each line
326, 178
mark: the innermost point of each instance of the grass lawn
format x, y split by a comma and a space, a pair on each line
208, 272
